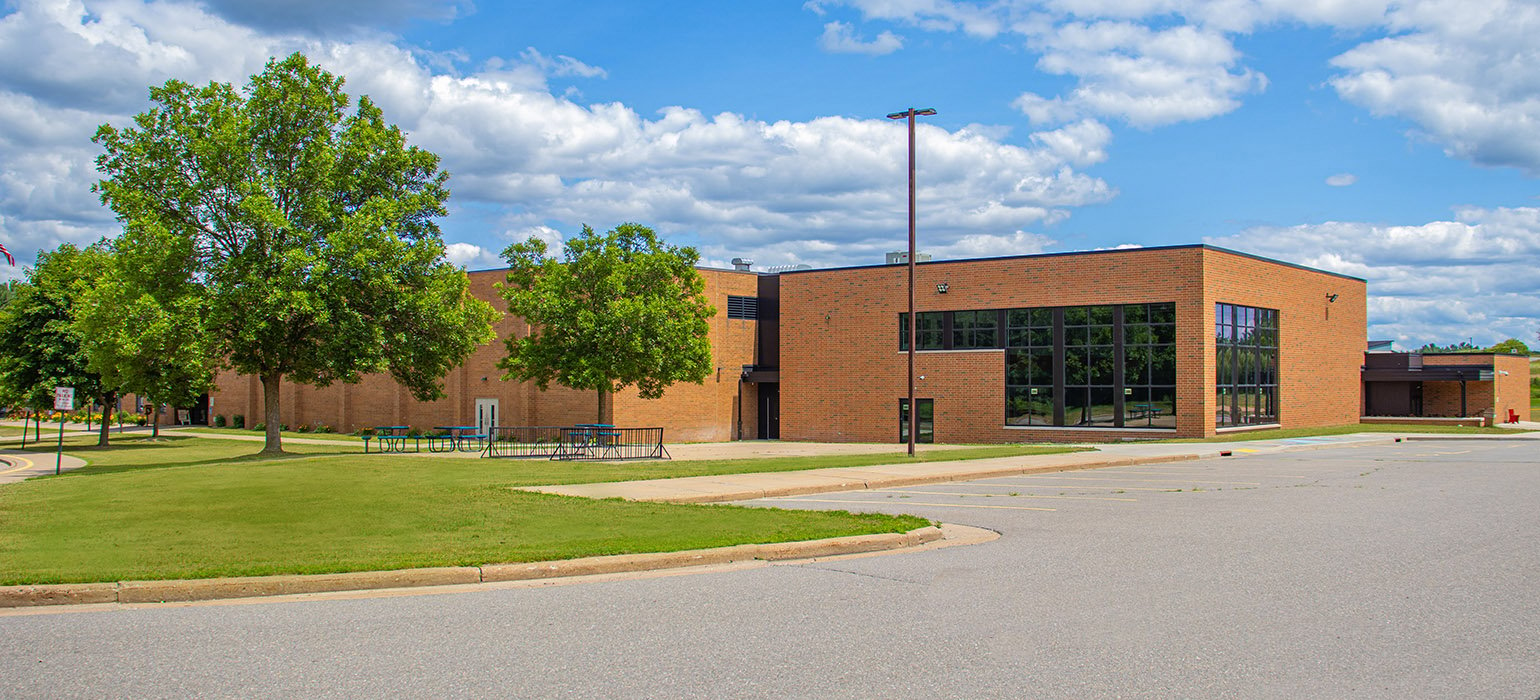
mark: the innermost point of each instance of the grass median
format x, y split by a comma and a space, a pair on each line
189, 507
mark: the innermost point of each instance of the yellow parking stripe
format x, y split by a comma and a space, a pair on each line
25, 464
912, 503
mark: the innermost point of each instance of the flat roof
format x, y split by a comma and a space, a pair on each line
1185, 246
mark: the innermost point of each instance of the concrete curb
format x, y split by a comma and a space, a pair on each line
259, 586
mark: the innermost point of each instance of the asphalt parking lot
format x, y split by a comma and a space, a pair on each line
1404, 570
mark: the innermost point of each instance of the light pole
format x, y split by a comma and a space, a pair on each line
914, 411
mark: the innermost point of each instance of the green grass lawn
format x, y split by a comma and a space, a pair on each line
186, 507
1347, 430
340, 437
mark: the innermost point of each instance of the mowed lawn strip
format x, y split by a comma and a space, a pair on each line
339, 437
194, 507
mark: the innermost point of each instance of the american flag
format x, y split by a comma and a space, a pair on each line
8, 257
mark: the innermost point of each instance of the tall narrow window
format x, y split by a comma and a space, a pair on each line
1149, 366
1029, 398
1246, 365
1088, 367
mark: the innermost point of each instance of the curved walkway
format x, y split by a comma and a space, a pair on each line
16, 465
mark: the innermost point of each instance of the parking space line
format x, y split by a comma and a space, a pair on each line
1147, 481
1074, 487
1280, 476
1006, 495
909, 503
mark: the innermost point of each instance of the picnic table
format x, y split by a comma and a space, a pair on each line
392, 438
458, 436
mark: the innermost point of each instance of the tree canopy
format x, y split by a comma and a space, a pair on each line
141, 328
43, 348
616, 310
303, 228
1511, 346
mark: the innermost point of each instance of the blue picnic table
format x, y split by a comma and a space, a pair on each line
457, 437
392, 438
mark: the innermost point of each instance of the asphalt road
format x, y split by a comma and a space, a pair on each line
1410, 570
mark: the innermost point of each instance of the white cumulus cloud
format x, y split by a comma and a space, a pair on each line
1442, 281
839, 37
1341, 179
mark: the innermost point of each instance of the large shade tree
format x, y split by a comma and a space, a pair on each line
308, 227
42, 348
615, 310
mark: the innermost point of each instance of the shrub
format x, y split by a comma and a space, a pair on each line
259, 427
325, 429
283, 427
141, 419
238, 421
219, 421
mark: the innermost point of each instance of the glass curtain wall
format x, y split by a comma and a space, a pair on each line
1029, 367
1246, 354
1111, 366
1149, 366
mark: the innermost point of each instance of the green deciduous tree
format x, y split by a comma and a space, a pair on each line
141, 326
307, 227
1511, 346
616, 310
42, 347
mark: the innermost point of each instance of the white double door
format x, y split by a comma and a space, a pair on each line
486, 416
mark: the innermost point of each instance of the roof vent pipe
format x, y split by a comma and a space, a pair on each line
742, 264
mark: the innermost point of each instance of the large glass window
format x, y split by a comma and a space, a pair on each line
1110, 366
972, 330
1089, 374
1029, 367
1149, 365
1246, 365
929, 326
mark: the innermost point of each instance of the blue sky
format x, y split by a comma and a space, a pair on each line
1395, 141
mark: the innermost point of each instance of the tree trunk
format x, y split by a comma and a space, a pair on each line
106, 425
24, 418
154, 414
604, 401
274, 443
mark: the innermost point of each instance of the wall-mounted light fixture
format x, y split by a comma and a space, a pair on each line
1331, 298
942, 288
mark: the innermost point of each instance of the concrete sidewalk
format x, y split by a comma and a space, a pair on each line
739, 487
16, 465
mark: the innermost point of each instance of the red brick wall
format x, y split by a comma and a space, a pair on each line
842, 373
1320, 343
702, 411
707, 412
1506, 392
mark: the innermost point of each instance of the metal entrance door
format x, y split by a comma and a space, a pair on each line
486, 416
770, 411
